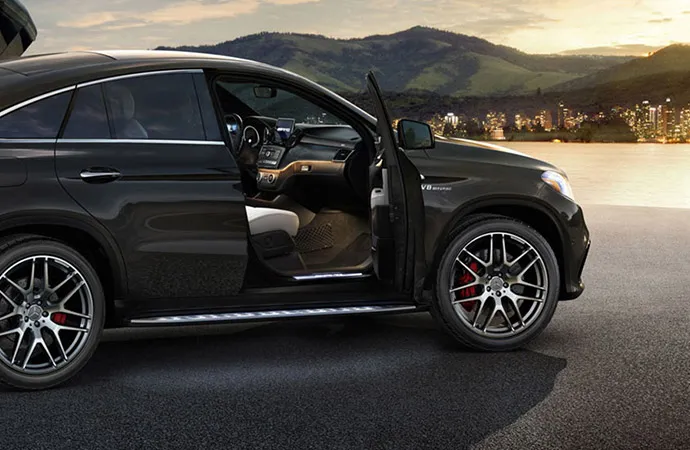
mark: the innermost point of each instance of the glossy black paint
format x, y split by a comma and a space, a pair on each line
462, 178
177, 209
172, 230
17, 29
40, 205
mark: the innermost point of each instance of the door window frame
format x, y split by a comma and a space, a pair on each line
100, 81
112, 140
359, 125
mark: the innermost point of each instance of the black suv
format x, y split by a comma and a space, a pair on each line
165, 188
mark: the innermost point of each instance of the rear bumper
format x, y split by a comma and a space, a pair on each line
575, 252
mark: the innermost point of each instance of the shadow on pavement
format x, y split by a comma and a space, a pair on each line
345, 383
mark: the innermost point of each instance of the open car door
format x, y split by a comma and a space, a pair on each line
397, 207
17, 29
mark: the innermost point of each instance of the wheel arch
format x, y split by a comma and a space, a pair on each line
530, 211
90, 241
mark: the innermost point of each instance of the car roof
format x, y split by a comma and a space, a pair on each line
75, 60
31, 76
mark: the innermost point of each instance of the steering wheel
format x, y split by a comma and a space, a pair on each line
235, 126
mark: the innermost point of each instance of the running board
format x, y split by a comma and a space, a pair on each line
331, 275
267, 315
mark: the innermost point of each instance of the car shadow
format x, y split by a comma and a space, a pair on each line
342, 383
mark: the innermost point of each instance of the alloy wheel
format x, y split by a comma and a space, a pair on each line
498, 285
46, 314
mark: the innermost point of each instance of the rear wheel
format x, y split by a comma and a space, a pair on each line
497, 285
52, 311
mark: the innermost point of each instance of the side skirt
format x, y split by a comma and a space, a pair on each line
269, 315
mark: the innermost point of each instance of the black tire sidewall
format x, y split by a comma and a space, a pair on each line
56, 249
443, 309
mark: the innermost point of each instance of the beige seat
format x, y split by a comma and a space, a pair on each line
264, 220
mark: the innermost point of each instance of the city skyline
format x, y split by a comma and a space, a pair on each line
664, 122
533, 26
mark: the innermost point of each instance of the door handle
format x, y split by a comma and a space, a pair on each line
99, 175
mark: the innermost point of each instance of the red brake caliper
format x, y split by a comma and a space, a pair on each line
467, 278
59, 318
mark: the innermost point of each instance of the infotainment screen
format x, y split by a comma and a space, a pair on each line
285, 127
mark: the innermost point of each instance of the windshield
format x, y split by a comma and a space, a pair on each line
284, 104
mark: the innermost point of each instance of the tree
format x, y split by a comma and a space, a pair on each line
474, 128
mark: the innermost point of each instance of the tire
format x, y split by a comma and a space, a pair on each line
79, 327
522, 319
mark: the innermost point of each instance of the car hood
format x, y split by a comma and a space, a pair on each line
449, 152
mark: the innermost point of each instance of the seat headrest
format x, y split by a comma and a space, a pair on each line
121, 102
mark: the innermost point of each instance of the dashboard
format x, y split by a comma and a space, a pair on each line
280, 150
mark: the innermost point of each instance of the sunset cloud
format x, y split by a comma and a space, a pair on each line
180, 13
536, 26
664, 20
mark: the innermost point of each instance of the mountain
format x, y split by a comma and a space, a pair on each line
665, 62
423, 105
617, 50
627, 92
420, 58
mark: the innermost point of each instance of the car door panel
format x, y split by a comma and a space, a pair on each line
175, 207
180, 222
401, 239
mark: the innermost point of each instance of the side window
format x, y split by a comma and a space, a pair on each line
155, 107
88, 119
39, 120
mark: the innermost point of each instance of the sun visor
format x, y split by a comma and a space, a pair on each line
17, 29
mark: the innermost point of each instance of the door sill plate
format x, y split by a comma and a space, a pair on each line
268, 315
330, 275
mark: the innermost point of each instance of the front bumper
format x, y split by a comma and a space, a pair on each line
576, 245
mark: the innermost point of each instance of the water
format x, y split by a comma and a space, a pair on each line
653, 175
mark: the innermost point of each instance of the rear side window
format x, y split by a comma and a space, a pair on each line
39, 120
88, 119
163, 107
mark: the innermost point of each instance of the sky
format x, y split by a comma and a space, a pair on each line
534, 26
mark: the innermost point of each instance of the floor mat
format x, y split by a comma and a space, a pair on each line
334, 240
352, 255
314, 238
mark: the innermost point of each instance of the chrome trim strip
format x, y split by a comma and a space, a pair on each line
138, 141
36, 99
329, 275
137, 75
27, 141
236, 316
90, 83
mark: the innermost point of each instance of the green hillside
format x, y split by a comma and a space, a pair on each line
675, 58
416, 59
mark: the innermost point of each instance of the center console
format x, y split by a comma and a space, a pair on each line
267, 165
278, 140
270, 156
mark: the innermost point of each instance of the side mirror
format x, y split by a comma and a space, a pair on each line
265, 92
414, 135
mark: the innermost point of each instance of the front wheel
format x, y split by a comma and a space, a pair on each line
497, 285
52, 311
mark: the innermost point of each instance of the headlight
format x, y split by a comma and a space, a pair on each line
559, 183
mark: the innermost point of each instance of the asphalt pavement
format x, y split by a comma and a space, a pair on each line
611, 371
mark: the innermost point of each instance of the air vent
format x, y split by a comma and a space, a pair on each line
342, 155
